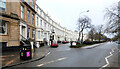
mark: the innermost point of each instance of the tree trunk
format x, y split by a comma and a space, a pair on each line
82, 38
119, 33
79, 36
99, 36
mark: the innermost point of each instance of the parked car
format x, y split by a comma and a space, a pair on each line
54, 44
64, 42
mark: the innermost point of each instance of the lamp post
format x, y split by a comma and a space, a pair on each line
52, 36
65, 37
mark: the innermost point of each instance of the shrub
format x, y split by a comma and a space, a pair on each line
75, 46
95, 42
88, 42
78, 43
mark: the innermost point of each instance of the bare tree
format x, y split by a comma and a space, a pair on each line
112, 17
95, 37
99, 30
83, 23
92, 32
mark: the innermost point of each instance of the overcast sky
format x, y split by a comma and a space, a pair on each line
67, 12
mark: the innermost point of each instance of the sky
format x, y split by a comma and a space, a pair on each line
67, 12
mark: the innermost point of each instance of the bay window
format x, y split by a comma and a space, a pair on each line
3, 28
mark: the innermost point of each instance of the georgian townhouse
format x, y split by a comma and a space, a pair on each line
46, 28
43, 26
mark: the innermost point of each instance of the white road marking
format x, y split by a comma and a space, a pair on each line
106, 59
40, 65
47, 54
62, 58
51, 61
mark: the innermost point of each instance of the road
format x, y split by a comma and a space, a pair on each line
63, 56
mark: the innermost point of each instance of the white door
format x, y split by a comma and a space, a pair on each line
23, 31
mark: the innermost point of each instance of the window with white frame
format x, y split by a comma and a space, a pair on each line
28, 34
3, 5
41, 34
3, 28
45, 35
38, 34
44, 16
41, 12
48, 27
48, 35
33, 34
28, 2
28, 16
32, 3
41, 22
49, 20
37, 9
22, 11
37, 21
52, 22
45, 25
33, 19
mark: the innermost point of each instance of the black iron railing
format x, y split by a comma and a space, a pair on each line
24, 40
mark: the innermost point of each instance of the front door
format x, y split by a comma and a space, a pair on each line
23, 31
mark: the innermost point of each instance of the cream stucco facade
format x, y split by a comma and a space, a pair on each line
46, 25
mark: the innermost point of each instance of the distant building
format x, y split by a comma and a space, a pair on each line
46, 26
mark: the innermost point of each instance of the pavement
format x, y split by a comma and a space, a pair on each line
13, 58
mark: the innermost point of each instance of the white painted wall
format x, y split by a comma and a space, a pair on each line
59, 30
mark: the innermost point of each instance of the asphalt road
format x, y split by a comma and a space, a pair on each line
63, 56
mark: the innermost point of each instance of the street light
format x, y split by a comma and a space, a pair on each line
65, 37
52, 35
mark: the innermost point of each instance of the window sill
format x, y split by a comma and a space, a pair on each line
3, 35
